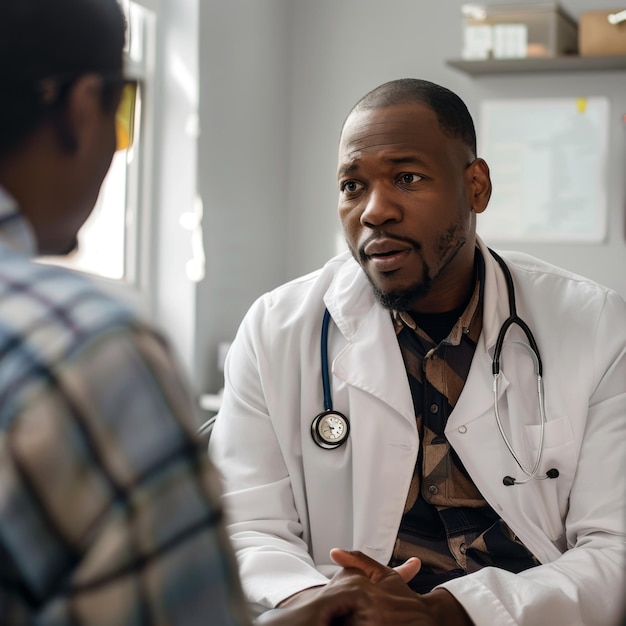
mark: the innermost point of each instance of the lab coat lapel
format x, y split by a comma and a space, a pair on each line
476, 399
373, 363
384, 434
376, 393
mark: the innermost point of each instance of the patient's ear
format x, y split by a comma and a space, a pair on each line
479, 184
77, 123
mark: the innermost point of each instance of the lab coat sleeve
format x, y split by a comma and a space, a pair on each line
263, 522
573, 589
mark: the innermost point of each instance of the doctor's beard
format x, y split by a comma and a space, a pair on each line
449, 244
399, 300
405, 299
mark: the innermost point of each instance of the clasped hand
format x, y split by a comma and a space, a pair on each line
366, 593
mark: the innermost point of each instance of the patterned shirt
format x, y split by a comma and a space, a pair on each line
108, 502
446, 521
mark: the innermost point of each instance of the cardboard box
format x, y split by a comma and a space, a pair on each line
598, 37
522, 30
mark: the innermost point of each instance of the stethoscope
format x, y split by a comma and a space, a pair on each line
330, 429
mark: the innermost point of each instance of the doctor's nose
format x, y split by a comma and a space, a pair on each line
380, 209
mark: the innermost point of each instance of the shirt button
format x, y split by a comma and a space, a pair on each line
433, 490
462, 548
434, 357
462, 429
434, 408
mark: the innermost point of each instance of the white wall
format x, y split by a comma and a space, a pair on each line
277, 79
242, 164
174, 297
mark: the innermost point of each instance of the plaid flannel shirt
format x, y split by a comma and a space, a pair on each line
108, 502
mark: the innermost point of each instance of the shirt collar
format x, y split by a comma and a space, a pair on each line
15, 232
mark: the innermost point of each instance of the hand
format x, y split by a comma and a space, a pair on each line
437, 607
394, 602
331, 605
373, 569
391, 601
357, 560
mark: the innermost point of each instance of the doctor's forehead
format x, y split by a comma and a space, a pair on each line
400, 127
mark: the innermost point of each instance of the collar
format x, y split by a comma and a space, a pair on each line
16, 233
350, 298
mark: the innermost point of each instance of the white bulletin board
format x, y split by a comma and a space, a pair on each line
548, 167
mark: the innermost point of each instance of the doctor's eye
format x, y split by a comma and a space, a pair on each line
350, 186
407, 178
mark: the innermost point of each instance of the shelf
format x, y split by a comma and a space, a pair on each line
539, 64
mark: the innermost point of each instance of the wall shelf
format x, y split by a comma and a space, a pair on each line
570, 63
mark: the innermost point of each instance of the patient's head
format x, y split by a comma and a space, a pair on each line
60, 82
40, 39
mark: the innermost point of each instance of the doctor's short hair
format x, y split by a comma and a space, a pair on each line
44, 39
454, 117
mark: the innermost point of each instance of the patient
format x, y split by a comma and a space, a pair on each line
109, 507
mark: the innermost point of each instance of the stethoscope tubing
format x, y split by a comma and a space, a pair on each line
512, 320
328, 401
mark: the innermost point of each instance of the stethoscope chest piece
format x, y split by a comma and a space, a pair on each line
330, 429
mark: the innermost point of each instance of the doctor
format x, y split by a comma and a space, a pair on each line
509, 488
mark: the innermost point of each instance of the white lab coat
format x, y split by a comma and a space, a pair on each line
289, 502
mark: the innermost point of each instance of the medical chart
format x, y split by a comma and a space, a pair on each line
548, 166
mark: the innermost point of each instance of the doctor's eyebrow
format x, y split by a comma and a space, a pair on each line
400, 160
410, 160
347, 169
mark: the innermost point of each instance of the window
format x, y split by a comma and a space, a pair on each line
143, 242
112, 241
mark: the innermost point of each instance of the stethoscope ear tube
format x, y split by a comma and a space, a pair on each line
509, 481
533, 350
511, 320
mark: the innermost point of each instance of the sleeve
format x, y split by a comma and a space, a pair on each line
584, 587
110, 507
263, 521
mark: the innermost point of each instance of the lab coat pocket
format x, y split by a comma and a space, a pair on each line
558, 442
557, 432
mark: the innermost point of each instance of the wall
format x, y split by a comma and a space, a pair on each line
175, 149
366, 42
277, 79
242, 164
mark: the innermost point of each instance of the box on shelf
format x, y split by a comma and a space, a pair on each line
600, 36
517, 30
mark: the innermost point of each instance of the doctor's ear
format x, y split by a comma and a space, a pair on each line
479, 184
